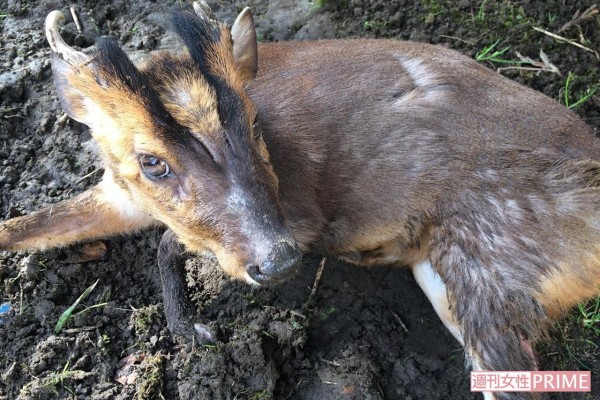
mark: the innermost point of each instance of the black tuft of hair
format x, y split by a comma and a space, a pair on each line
112, 61
198, 35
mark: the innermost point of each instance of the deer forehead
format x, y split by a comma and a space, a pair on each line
126, 121
190, 100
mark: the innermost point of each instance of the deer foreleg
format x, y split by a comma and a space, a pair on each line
101, 211
179, 312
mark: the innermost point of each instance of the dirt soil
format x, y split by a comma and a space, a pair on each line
365, 334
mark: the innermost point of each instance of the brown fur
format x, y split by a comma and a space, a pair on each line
376, 151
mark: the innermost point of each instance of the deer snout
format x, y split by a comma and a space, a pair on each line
281, 263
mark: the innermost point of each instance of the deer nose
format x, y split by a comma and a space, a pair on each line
282, 262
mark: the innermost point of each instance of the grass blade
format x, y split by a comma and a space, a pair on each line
69, 311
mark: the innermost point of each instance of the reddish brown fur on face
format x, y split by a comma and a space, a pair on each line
111, 126
185, 93
192, 114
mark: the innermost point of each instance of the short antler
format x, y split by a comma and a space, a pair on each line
58, 45
203, 10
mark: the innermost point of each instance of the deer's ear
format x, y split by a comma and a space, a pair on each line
67, 62
245, 47
71, 98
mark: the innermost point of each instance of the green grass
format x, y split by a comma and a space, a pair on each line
480, 16
373, 24
435, 7
324, 314
244, 394
69, 311
572, 100
56, 379
490, 54
296, 325
573, 341
151, 378
318, 4
589, 315
263, 395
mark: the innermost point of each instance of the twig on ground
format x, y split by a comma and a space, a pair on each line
334, 363
540, 66
297, 314
459, 39
578, 18
76, 19
82, 329
83, 178
400, 322
313, 292
557, 37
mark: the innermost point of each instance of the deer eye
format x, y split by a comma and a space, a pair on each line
153, 167
256, 131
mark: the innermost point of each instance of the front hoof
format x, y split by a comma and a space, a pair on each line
204, 334
194, 334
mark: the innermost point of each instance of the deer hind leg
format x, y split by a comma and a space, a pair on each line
491, 293
101, 211
435, 290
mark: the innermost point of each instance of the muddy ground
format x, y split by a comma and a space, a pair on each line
365, 334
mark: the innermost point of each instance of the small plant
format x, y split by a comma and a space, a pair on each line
481, 13
105, 338
295, 324
249, 297
590, 315
373, 24
262, 395
69, 311
62, 375
151, 378
318, 4
143, 318
269, 335
326, 313
489, 54
56, 379
567, 92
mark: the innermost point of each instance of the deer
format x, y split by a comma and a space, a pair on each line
378, 152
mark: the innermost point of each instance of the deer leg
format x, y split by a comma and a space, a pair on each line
101, 211
179, 312
497, 315
435, 290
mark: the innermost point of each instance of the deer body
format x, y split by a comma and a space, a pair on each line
407, 153
379, 152
369, 150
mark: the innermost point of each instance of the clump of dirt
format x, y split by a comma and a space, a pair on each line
365, 334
